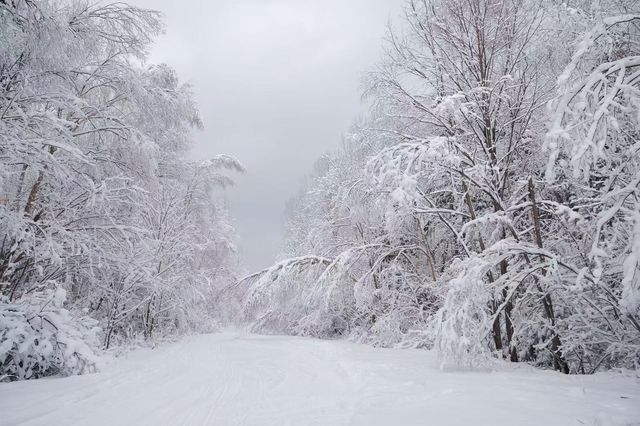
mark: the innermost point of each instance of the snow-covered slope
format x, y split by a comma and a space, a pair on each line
236, 379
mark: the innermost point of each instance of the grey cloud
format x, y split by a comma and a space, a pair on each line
277, 83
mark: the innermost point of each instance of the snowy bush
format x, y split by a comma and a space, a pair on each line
461, 325
38, 337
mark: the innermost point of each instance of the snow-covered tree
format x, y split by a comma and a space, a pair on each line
443, 223
97, 196
594, 160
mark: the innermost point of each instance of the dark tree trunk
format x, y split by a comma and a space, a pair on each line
559, 362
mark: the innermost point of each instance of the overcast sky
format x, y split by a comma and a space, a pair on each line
277, 84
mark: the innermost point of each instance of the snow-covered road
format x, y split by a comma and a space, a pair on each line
237, 379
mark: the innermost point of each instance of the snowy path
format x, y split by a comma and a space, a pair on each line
235, 379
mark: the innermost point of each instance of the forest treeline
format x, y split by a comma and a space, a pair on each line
108, 233
489, 205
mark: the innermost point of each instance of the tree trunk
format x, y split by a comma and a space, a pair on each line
33, 194
559, 362
508, 309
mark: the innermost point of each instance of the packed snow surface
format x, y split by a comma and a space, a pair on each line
239, 379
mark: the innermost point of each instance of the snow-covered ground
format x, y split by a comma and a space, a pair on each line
237, 379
